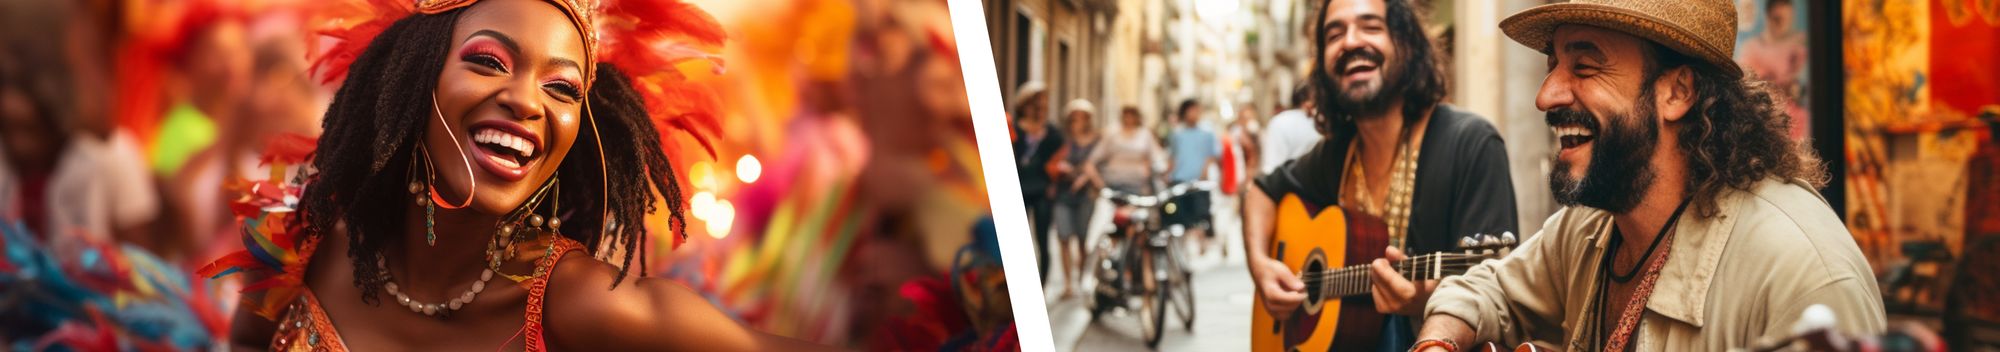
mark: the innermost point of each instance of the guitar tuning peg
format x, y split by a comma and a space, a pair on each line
1508, 238
1468, 242
1488, 240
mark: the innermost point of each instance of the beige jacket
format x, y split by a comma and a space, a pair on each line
1732, 280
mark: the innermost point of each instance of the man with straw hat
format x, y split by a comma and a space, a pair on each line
1691, 221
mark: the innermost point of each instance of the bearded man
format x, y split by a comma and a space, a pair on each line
1691, 220
1393, 151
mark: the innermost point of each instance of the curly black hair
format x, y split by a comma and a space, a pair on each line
1736, 135
1420, 79
378, 117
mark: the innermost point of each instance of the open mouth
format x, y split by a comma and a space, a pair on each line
504, 149
1573, 135
1358, 68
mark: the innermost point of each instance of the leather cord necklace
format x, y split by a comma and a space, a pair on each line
1635, 306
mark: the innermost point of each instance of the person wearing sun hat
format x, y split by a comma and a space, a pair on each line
1691, 222
1035, 143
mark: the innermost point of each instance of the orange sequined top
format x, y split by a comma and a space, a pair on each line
303, 324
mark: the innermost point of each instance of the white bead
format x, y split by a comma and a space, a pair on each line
455, 304
392, 288
430, 309
467, 297
403, 300
415, 309
478, 287
486, 275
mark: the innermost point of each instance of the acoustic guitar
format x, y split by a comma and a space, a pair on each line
1331, 251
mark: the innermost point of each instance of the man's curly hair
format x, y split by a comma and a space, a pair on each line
1736, 135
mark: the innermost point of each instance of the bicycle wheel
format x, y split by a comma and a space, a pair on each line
1184, 300
1153, 303
1180, 283
1101, 280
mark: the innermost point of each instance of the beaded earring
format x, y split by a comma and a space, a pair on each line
418, 188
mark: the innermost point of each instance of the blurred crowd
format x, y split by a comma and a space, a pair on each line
122, 119
120, 122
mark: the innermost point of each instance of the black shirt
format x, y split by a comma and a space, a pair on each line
1031, 160
1463, 186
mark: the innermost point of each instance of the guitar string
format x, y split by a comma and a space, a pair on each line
1350, 280
1354, 283
1365, 273
1418, 263
1421, 272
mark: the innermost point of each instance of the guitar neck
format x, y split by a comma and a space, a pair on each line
1355, 280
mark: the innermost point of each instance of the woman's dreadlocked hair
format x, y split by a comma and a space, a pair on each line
377, 119
633, 159
371, 129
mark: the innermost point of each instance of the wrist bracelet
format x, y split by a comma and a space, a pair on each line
1447, 344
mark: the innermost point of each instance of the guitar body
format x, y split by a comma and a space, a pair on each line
1308, 242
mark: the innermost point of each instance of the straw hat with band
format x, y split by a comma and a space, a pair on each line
1703, 29
1026, 91
1079, 104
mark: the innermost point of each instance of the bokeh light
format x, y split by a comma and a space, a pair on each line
748, 168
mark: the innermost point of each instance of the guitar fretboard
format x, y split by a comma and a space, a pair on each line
1354, 279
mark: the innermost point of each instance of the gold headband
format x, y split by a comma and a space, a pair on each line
580, 12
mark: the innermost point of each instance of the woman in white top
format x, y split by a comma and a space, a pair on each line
1124, 160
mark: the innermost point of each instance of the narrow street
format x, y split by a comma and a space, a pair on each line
1223, 299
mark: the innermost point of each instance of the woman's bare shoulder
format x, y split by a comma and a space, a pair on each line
583, 310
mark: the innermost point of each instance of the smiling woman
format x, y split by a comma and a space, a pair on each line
466, 114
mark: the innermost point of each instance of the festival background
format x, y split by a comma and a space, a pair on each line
1922, 159
844, 202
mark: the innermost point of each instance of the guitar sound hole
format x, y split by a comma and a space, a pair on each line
1314, 281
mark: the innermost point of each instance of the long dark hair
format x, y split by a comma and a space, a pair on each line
377, 120
1419, 77
1736, 135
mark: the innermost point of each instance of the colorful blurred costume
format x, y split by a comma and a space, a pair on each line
100, 297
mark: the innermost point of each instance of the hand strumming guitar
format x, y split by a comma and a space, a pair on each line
1283, 291
1395, 294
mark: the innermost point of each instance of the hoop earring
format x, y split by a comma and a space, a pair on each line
469, 177
609, 225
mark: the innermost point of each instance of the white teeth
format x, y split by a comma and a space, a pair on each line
1569, 131
504, 139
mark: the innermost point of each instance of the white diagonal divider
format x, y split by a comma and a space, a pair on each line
1003, 188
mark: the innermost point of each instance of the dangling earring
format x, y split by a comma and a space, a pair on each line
510, 230
417, 190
